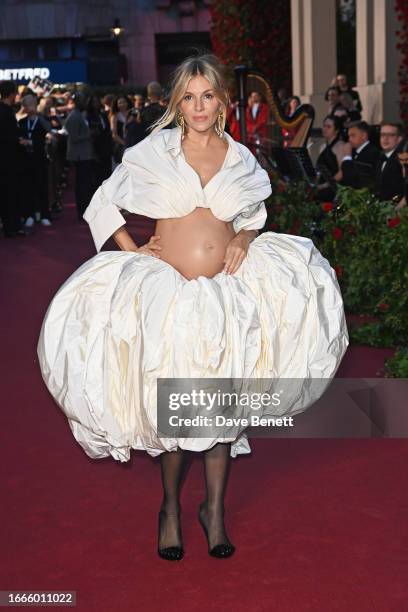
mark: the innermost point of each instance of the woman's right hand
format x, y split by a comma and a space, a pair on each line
150, 247
126, 243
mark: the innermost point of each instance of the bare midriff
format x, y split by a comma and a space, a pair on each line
195, 244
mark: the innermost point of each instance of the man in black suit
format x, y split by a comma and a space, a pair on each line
389, 180
361, 157
9, 150
137, 129
34, 131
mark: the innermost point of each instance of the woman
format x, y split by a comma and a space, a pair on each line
204, 297
232, 120
138, 102
330, 158
101, 136
336, 108
290, 109
352, 114
292, 105
119, 117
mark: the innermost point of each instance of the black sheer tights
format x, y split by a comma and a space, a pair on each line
216, 471
172, 464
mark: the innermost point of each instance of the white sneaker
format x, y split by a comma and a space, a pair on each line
45, 222
29, 222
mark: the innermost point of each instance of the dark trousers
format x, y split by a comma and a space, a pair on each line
9, 211
103, 170
35, 191
84, 184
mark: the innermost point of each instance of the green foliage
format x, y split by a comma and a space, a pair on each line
373, 258
294, 209
372, 334
365, 241
397, 366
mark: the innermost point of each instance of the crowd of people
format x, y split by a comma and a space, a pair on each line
363, 158
356, 154
42, 136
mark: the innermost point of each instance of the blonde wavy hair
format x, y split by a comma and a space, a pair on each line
206, 65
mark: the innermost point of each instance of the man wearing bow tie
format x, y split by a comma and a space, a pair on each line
361, 157
389, 180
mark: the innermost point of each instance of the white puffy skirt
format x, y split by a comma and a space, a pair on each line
122, 320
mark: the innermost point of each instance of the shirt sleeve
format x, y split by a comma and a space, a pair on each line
103, 212
256, 188
253, 218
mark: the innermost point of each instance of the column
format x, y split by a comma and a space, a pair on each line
377, 64
314, 51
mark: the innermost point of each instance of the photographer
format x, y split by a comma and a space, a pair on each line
35, 133
9, 148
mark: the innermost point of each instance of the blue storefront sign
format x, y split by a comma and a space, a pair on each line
70, 71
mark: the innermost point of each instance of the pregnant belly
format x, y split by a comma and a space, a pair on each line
194, 244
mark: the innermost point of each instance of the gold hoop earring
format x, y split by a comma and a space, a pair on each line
182, 124
219, 125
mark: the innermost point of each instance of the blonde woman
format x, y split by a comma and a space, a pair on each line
205, 297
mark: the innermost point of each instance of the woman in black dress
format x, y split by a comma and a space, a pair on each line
98, 123
330, 158
119, 118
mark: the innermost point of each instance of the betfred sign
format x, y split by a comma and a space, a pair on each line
69, 71
20, 74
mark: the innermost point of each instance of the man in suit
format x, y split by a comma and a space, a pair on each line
360, 160
80, 151
389, 180
9, 150
153, 109
34, 131
137, 129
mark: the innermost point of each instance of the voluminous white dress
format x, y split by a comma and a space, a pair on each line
122, 320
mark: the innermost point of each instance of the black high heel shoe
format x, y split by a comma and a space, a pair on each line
170, 553
221, 551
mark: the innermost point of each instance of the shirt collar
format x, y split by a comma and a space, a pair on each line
361, 147
173, 144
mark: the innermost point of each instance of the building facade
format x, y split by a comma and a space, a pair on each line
68, 41
71, 40
314, 57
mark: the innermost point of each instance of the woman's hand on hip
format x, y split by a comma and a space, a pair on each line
237, 250
151, 247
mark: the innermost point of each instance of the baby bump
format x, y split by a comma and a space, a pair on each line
194, 244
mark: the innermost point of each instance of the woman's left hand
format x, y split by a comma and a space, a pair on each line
235, 252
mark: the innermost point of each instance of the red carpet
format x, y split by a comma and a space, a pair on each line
319, 524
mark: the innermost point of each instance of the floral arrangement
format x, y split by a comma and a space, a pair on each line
365, 241
255, 33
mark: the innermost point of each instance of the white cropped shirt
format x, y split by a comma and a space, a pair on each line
155, 180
